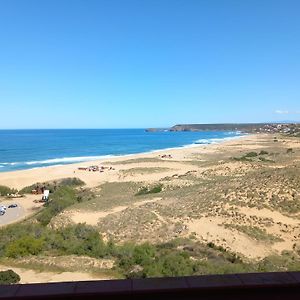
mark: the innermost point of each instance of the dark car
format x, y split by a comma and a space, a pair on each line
12, 205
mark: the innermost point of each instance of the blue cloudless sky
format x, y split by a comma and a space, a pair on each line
144, 63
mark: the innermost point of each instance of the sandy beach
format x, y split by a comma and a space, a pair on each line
23, 178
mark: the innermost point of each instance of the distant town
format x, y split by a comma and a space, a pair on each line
292, 129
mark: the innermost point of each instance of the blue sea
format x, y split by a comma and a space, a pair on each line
27, 149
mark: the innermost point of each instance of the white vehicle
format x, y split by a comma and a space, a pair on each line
2, 210
45, 196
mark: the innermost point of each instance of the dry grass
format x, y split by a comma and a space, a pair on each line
215, 187
142, 171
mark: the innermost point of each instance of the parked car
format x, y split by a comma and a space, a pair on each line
12, 205
2, 211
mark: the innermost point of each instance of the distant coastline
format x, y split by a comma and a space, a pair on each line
287, 128
28, 149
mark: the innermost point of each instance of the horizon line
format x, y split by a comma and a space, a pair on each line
157, 127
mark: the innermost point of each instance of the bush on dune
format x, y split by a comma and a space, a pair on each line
33, 239
9, 277
52, 186
172, 264
150, 190
147, 260
24, 246
130, 255
62, 198
4, 190
251, 154
71, 182
78, 239
17, 231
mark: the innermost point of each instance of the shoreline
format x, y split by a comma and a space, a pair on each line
25, 177
88, 159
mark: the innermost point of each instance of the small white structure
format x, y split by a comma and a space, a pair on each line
46, 195
2, 210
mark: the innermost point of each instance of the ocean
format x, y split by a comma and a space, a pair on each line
27, 149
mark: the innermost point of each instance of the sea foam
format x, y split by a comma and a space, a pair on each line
27, 149
216, 140
66, 160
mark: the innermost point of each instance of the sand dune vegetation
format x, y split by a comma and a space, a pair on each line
223, 208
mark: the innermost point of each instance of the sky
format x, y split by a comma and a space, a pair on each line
148, 63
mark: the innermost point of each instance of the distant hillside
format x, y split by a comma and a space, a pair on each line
157, 129
217, 127
285, 128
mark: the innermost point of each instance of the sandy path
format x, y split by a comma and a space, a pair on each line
267, 213
211, 230
92, 218
32, 276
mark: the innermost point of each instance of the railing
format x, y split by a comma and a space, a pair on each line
283, 286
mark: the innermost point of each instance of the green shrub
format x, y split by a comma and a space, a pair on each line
9, 277
30, 239
52, 186
251, 154
150, 190
79, 239
63, 197
286, 261
70, 182
149, 261
24, 247
4, 190
248, 156
131, 255
289, 150
13, 232
172, 264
